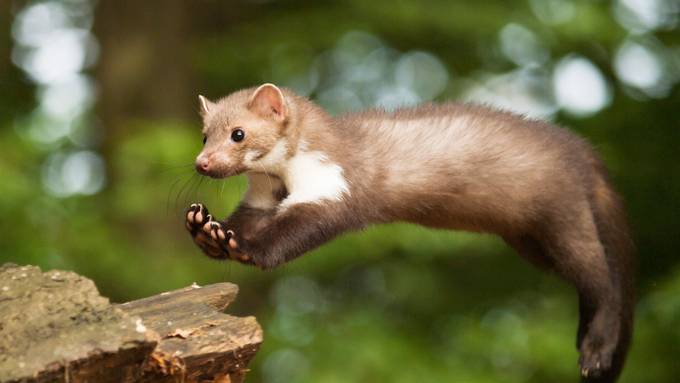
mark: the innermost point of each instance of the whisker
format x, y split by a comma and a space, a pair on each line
188, 182
194, 192
173, 170
238, 187
221, 193
271, 186
177, 191
175, 166
167, 198
172, 166
177, 179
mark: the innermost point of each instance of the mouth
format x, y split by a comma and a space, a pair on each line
222, 173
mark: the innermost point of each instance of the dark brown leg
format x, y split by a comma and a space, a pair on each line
210, 235
247, 219
578, 256
586, 311
290, 233
530, 249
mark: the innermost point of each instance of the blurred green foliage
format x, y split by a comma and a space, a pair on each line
395, 303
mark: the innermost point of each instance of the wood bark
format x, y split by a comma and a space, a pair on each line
55, 327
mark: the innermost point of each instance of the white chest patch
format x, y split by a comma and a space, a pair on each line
310, 177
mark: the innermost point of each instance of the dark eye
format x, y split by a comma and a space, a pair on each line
238, 135
205, 138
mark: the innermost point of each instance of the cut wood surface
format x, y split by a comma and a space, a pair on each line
55, 327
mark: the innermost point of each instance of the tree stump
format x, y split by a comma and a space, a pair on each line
55, 327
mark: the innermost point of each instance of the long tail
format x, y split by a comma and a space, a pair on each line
614, 233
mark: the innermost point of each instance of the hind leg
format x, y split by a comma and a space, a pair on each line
577, 254
530, 249
586, 311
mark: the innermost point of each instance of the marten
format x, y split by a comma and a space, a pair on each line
539, 187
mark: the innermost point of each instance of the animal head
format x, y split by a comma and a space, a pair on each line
245, 131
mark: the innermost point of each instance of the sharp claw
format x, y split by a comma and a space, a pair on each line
214, 227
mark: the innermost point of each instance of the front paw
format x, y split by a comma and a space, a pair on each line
237, 246
248, 251
197, 216
227, 240
199, 223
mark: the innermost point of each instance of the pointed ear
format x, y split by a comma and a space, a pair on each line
268, 101
205, 105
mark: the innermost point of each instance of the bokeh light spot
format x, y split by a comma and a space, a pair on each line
579, 86
638, 66
521, 45
80, 172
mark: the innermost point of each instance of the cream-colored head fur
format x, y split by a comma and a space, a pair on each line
262, 116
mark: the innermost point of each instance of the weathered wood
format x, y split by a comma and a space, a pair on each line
55, 324
55, 327
216, 345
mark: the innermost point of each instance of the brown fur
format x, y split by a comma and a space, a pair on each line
452, 166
